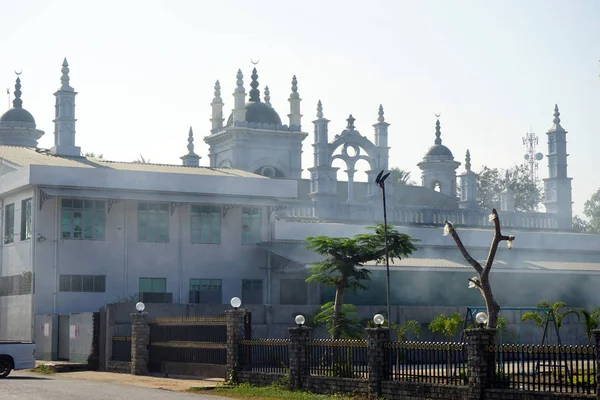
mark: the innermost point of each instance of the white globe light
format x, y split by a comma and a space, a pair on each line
378, 319
300, 320
236, 302
481, 318
140, 306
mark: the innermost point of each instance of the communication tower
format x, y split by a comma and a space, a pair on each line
530, 141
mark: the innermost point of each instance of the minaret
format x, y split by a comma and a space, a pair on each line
294, 115
468, 185
217, 110
254, 92
64, 122
239, 110
191, 159
557, 186
381, 142
323, 177
268, 96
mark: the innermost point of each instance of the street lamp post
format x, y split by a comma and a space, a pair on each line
380, 181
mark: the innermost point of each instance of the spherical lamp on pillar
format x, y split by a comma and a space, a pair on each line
379, 320
300, 320
235, 303
140, 307
481, 318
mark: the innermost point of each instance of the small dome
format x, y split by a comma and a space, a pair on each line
439, 150
257, 112
17, 115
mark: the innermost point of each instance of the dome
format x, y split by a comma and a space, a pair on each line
257, 112
17, 115
439, 150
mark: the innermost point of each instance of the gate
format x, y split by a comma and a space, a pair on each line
63, 337
189, 346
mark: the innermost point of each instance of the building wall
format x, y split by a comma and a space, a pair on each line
124, 260
15, 310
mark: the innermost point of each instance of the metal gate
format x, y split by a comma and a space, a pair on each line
63, 337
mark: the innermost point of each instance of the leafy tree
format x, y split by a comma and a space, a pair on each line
447, 326
539, 317
590, 322
406, 329
401, 177
482, 280
580, 225
591, 209
492, 181
349, 326
94, 155
342, 267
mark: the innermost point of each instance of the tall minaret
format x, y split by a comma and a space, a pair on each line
239, 108
468, 185
64, 122
557, 186
191, 159
381, 139
294, 115
217, 110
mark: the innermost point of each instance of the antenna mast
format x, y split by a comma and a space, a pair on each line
530, 141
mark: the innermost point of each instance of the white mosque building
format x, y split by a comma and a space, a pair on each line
79, 232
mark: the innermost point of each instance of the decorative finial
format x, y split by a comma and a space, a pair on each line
17, 102
438, 132
267, 96
254, 92
319, 110
350, 120
556, 115
240, 82
217, 98
294, 94
380, 119
190, 145
64, 79
468, 161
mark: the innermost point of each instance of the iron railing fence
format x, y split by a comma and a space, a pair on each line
427, 362
339, 358
545, 368
264, 355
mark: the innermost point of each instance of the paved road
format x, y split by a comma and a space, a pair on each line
31, 386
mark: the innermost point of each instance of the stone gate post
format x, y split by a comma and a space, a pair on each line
298, 351
235, 319
596, 333
139, 343
379, 362
480, 363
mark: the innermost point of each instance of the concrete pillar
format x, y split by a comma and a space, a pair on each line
480, 362
298, 351
378, 362
235, 319
140, 336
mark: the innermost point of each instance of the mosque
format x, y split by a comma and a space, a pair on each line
80, 232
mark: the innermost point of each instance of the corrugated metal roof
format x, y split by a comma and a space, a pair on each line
565, 265
24, 156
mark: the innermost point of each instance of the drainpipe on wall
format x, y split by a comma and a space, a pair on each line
34, 201
180, 255
56, 236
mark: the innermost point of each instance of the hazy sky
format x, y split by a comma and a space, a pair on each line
145, 72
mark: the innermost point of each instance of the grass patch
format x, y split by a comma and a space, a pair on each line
44, 369
247, 391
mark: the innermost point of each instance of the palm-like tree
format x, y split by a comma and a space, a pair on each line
141, 160
590, 322
401, 177
539, 317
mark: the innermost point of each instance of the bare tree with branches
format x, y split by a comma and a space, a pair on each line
482, 280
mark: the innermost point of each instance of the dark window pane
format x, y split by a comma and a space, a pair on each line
100, 283
76, 283
88, 283
67, 203
65, 283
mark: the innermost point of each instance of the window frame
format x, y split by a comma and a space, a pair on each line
249, 219
67, 282
162, 209
97, 213
198, 219
26, 219
9, 223
152, 281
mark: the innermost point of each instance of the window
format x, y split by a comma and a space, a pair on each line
26, 219
83, 219
9, 223
206, 224
82, 283
293, 292
251, 225
205, 291
252, 291
153, 285
153, 222
14, 285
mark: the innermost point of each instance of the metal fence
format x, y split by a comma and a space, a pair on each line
264, 355
339, 358
561, 369
427, 362
121, 348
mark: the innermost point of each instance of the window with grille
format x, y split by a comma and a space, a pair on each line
83, 219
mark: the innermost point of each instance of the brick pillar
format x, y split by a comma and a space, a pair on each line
139, 343
379, 363
596, 333
235, 319
480, 362
298, 352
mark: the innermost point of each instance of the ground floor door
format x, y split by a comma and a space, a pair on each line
63, 337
